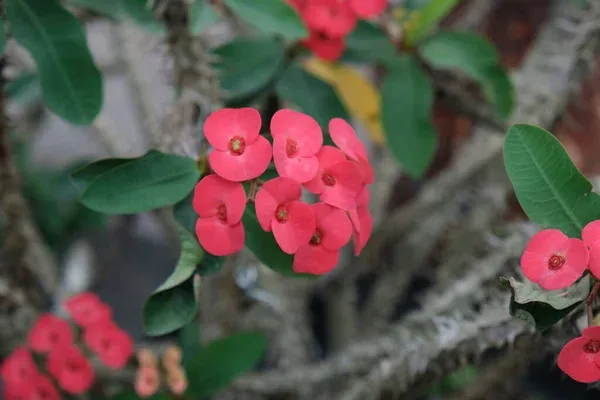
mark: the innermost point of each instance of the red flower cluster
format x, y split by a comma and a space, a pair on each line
555, 261
313, 233
52, 340
329, 21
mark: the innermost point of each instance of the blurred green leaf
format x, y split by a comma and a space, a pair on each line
2, 36
273, 17
543, 308
314, 96
551, 190
140, 12
477, 58
248, 65
169, 309
369, 43
131, 395
126, 186
109, 8
190, 337
24, 90
429, 14
214, 366
202, 16
71, 83
406, 103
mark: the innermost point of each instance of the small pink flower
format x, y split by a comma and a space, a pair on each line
18, 370
368, 8
73, 372
344, 137
279, 208
297, 138
113, 345
325, 47
362, 221
48, 332
338, 180
87, 309
554, 261
591, 237
333, 17
240, 152
580, 358
147, 381
220, 204
321, 254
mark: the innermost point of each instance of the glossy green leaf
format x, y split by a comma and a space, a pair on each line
429, 16
214, 366
542, 308
477, 58
71, 82
552, 192
167, 310
202, 16
274, 17
314, 96
248, 65
369, 43
406, 102
126, 186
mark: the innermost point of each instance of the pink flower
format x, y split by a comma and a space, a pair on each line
72, 370
296, 140
344, 137
321, 254
147, 381
44, 389
87, 309
332, 17
240, 153
338, 180
325, 47
554, 261
113, 345
220, 204
18, 371
279, 208
368, 8
580, 358
591, 237
362, 221
48, 332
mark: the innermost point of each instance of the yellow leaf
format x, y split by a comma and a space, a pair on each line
358, 94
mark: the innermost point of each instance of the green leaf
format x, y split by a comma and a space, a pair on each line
2, 36
429, 16
126, 186
140, 12
214, 366
24, 90
71, 83
167, 310
131, 395
406, 102
477, 58
551, 190
273, 17
202, 16
369, 43
190, 337
248, 65
314, 96
542, 308
109, 8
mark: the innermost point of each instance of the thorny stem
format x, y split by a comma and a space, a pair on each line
590, 301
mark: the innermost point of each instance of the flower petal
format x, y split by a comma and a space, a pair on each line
576, 261
594, 263
366, 228
273, 193
252, 163
578, 364
315, 260
222, 125
533, 265
546, 242
592, 332
213, 190
325, 47
368, 9
297, 230
591, 233
560, 279
576, 255
344, 137
327, 156
300, 169
334, 224
303, 128
218, 238
348, 184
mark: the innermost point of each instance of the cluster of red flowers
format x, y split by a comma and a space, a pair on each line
329, 21
555, 261
51, 345
313, 233
147, 378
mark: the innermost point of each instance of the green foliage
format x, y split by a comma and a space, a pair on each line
131, 395
430, 15
202, 16
71, 83
24, 90
406, 102
108, 8
367, 42
141, 14
552, 192
274, 17
475, 57
312, 95
248, 65
2, 36
542, 308
190, 337
214, 366
133, 185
